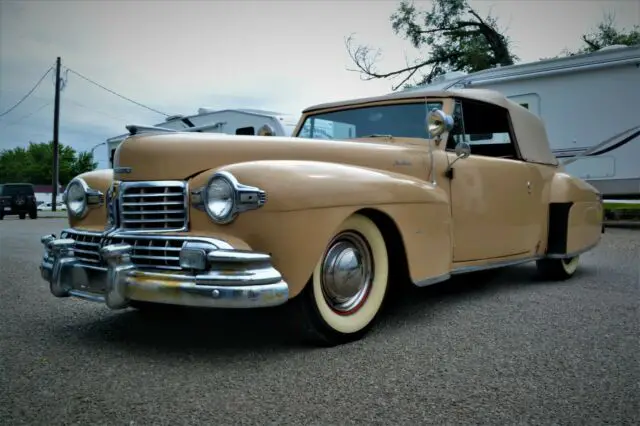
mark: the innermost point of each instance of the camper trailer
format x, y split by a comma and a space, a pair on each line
589, 105
228, 121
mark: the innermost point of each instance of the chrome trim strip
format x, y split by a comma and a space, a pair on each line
573, 254
494, 265
432, 280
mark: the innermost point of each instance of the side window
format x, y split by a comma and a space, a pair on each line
245, 131
485, 127
525, 105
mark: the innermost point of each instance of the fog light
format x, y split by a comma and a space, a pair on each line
193, 258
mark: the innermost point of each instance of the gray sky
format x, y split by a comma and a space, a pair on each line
179, 56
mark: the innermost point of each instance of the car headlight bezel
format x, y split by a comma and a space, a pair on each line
87, 196
241, 198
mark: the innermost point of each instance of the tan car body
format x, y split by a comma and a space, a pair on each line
494, 212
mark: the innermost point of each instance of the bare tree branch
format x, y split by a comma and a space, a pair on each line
453, 34
365, 63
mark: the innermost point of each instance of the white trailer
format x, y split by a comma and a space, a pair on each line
228, 121
589, 104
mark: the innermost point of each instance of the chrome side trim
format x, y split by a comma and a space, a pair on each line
572, 254
432, 280
494, 265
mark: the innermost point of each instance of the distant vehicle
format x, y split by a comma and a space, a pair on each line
589, 104
47, 207
408, 187
241, 121
17, 199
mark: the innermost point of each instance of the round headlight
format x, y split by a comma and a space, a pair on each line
76, 198
220, 199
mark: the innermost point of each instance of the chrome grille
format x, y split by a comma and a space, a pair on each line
161, 253
87, 246
153, 206
154, 252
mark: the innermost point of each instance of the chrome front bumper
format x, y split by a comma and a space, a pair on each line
230, 279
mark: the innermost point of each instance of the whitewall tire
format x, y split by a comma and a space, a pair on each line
558, 269
348, 286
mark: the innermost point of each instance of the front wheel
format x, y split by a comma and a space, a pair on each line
558, 269
348, 286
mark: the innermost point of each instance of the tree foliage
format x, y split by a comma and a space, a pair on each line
452, 36
607, 34
34, 164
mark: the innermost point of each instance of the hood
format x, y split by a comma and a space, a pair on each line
178, 156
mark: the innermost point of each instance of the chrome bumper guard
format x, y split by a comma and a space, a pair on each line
225, 278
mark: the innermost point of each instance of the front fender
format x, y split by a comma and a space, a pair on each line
96, 218
302, 185
308, 200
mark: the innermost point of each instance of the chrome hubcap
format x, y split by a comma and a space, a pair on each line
347, 272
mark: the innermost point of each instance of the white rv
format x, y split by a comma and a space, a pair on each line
589, 104
228, 121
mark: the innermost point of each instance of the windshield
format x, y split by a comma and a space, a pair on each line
399, 120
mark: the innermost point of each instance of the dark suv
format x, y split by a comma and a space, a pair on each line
18, 198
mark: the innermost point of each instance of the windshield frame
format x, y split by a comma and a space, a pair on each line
333, 116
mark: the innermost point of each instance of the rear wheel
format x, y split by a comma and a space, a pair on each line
33, 214
22, 215
348, 286
558, 269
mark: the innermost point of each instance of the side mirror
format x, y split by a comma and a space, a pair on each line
266, 130
438, 122
463, 150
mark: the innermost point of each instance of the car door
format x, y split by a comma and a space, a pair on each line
493, 211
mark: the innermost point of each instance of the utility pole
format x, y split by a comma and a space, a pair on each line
56, 121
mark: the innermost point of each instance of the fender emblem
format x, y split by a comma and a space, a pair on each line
122, 169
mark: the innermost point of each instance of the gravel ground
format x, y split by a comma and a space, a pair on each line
497, 348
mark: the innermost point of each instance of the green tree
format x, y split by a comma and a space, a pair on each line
34, 164
607, 34
452, 36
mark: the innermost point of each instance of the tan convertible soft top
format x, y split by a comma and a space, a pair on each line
530, 132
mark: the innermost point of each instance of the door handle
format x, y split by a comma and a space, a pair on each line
529, 187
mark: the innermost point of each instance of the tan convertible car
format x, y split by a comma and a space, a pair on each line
369, 193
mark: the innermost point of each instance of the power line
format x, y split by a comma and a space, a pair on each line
24, 117
115, 93
28, 94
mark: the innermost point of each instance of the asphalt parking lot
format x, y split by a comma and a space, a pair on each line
498, 348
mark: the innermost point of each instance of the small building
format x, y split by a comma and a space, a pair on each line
43, 193
241, 121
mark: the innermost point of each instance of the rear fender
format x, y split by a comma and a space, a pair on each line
575, 216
